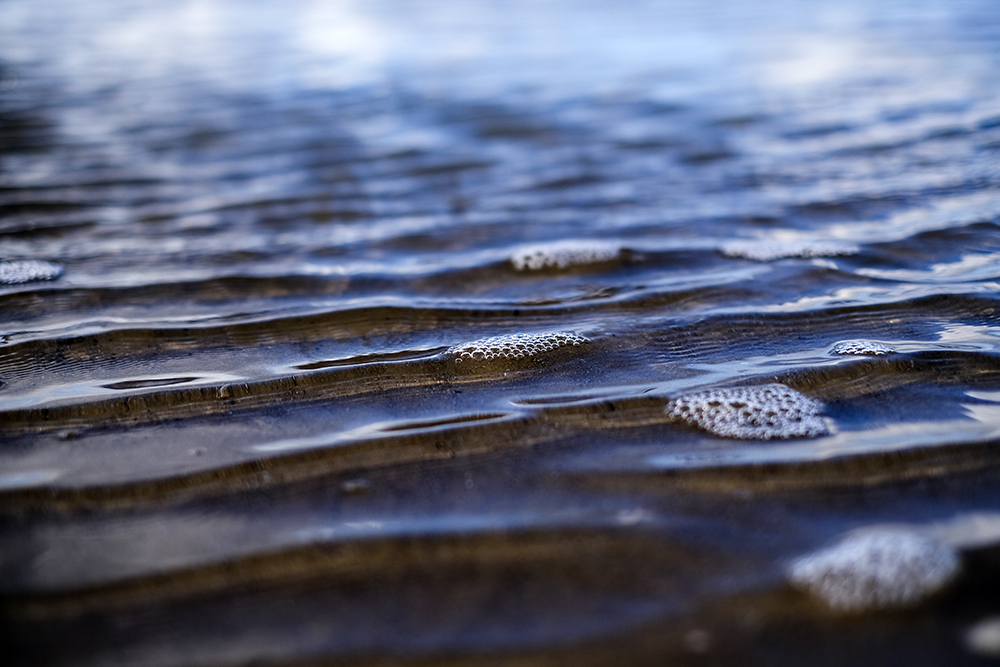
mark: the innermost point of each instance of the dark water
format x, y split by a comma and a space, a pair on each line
234, 429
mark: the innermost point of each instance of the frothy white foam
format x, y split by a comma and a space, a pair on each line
882, 570
768, 251
514, 346
14, 272
765, 412
862, 347
563, 255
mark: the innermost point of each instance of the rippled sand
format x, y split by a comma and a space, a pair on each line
451, 333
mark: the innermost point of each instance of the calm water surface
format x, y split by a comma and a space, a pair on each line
234, 429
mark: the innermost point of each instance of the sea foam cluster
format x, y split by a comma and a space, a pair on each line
883, 570
862, 347
13, 272
768, 251
514, 346
765, 412
563, 255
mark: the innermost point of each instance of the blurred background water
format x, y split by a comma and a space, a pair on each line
234, 429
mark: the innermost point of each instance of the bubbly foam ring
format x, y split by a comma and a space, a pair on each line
13, 272
767, 251
563, 254
862, 347
766, 412
514, 346
875, 571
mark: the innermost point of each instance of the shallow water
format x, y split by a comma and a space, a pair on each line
236, 426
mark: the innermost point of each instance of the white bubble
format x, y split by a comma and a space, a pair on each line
563, 254
862, 347
515, 346
883, 570
769, 250
764, 412
13, 272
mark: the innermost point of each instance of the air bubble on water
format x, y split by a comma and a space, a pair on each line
563, 255
869, 348
515, 346
355, 486
876, 570
13, 272
769, 250
10, 481
764, 412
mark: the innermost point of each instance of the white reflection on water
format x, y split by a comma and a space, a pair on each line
966, 530
460, 522
977, 266
27, 479
867, 295
946, 212
97, 389
895, 437
484, 46
959, 335
378, 429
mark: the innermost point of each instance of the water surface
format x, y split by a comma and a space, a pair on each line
234, 429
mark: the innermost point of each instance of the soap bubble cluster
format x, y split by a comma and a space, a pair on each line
564, 254
765, 412
862, 347
514, 346
13, 272
768, 251
883, 570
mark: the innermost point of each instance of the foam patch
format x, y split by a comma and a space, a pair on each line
862, 347
514, 346
768, 251
875, 571
14, 272
766, 412
563, 255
